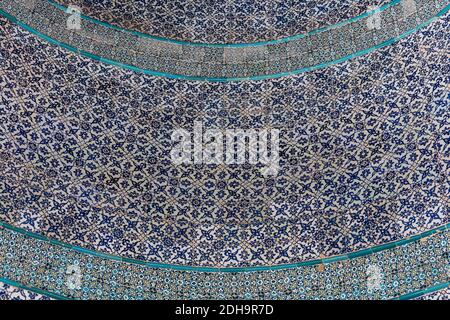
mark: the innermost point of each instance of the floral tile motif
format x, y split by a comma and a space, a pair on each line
223, 21
85, 155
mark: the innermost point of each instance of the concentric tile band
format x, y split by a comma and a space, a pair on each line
225, 63
372, 10
405, 269
228, 22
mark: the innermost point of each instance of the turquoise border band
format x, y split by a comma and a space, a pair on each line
424, 292
56, 296
196, 78
94, 274
35, 290
328, 260
228, 45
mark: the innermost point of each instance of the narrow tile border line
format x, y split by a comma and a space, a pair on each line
156, 265
228, 45
420, 293
195, 78
33, 289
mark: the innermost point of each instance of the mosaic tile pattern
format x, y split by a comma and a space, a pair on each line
223, 21
401, 270
358, 210
219, 63
443, 294
85, 155
8, 292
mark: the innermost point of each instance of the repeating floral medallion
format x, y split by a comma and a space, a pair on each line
223, 21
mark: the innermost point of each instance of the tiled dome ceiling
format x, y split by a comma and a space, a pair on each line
93, 206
